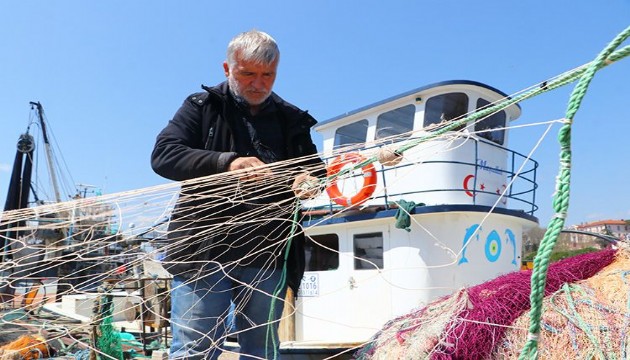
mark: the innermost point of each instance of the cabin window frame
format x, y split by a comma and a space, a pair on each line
362, 259
429, 117
318, 253
491, 122
382, 119
350, 125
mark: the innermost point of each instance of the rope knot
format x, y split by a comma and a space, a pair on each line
388, 156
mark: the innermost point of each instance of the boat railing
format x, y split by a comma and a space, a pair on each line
519, 175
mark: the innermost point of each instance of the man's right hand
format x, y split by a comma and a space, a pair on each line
250, 168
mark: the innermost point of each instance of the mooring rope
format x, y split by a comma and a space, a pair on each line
561, 197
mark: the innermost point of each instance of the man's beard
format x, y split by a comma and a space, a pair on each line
239, 93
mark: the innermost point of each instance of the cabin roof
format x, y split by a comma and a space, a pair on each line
411, 92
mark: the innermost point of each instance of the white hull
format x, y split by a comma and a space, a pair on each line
448, 248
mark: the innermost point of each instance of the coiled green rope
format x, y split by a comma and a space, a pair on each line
561, 197
106, 338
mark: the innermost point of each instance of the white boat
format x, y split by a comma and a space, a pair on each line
469, 196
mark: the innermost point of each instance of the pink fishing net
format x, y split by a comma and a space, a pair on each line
470, 323
502, 300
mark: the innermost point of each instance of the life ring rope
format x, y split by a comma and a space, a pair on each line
368, 176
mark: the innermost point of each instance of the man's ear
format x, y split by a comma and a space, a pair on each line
226, 69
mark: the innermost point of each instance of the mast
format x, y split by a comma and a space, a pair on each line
17, 195
51, 254
49, 155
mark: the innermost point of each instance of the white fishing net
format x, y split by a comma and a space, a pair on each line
87, 277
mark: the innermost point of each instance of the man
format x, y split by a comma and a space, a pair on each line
233, 238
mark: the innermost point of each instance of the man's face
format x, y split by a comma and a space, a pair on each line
250, 80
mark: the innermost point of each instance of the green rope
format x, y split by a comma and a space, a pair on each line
270, 334
561, 198
557, 82
552, 84
107, 340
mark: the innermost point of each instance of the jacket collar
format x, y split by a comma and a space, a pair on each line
221, 92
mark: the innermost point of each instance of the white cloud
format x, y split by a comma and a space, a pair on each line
5, 167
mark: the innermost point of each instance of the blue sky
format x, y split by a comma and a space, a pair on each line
110, 74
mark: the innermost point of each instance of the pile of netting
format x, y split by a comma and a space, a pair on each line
589, 319
587, 311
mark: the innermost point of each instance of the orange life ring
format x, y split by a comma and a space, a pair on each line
369, 180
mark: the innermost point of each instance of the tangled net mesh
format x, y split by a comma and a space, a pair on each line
102, 256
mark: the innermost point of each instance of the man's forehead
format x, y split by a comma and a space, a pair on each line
251, 64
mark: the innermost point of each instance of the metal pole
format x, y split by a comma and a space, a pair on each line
49, 157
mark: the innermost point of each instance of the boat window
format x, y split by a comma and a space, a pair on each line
368, 251
484, 127
351, 134
395, 122
322, 252
442, 108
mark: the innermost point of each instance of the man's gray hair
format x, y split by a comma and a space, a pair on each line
253, 45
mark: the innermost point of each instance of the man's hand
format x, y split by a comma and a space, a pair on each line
306, 186
249, 168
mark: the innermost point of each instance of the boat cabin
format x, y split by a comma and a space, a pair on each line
449, 214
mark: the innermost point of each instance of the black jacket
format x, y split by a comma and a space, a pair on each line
197, 142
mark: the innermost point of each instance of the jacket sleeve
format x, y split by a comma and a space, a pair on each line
179, 152
311, 161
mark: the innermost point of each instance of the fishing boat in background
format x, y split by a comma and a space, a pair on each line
65, 260
39, 249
